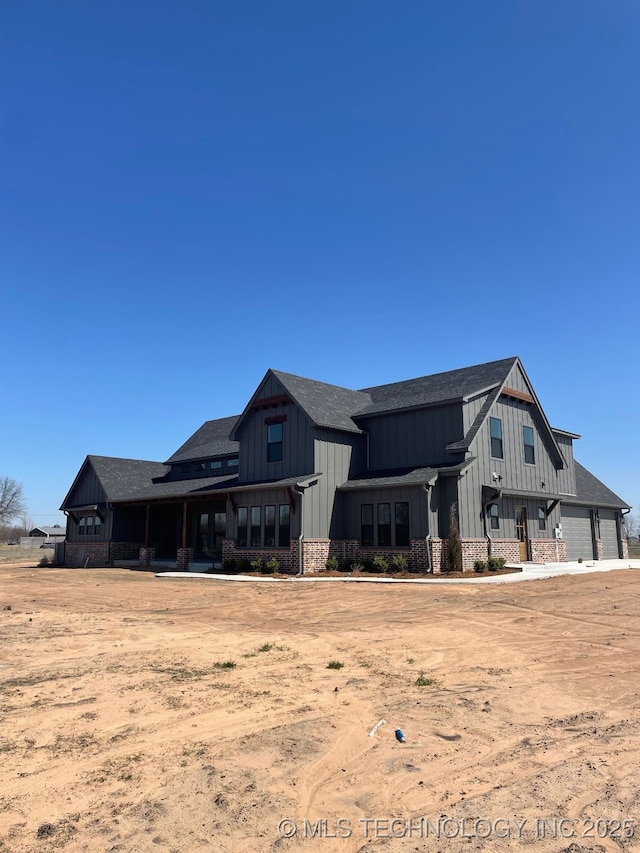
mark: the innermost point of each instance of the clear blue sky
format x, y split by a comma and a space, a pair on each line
359, 192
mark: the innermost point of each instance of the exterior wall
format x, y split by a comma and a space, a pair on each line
337, 455
262, 498
420, 513
567, 478
298, 438
288, 558
407, 438
88, 489
471, 409
95, 554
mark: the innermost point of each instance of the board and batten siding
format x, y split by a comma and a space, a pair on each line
88, 490
262, 498
413, 438
298, 437
337, 456
515, 472
421, 517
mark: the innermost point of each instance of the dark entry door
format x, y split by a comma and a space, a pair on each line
521, 533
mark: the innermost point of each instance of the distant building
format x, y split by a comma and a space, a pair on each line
56, 533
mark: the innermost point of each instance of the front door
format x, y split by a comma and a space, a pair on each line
521, 533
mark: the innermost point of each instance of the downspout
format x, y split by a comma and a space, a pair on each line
298, 490
487, 535
427, 538
623, 526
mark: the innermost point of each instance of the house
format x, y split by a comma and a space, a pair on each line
310, 470
51, 534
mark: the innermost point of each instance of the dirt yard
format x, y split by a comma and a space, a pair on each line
147, 714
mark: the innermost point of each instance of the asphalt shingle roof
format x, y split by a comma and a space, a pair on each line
437, 388
327, 405
590, 490
211, 439
133, 479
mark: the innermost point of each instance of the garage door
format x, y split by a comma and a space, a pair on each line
609, 535
576, 532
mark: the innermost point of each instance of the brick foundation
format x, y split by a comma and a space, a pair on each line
77, 555
183, 558
548, 551
147, 556
317, 551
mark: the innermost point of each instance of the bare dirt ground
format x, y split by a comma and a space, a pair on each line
146, 714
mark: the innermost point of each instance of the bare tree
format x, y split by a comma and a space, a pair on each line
632, 525
12, 503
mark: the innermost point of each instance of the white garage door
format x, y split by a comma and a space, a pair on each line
609, 535
576, 532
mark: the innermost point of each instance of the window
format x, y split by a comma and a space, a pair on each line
494, 515
495, 427
232, 463
89, 525
366, 524
529, 450
284, 528
216, 464
199, 466
384, 525
542, 518
220, 524
242, 527
270, 526
402, 525
256, 516
274, 442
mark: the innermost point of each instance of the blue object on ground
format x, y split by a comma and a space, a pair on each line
400, 736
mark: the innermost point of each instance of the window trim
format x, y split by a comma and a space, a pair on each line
275, 449
370, 526
496, 438
528, 446
542, 519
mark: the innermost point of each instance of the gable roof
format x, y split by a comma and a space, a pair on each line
136, 479
591, 491
328, 406
49, 531
211, 439
450, 386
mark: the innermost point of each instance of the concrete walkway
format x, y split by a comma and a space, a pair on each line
530, 572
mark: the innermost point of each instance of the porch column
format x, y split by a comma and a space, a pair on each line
147, 525
184, 525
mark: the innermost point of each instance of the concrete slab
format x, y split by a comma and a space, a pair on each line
530, 572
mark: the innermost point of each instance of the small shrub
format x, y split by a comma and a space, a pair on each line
495, 563
455, 542
44, 563
400, 563
230, 564
256, 565
380, 565
357, 567
225, 664
335, 664
345, 565
331, 565
422, 681
244, 565
479, 566
270, 566
367, 564
266, 647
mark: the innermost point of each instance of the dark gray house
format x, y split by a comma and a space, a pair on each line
310, 470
